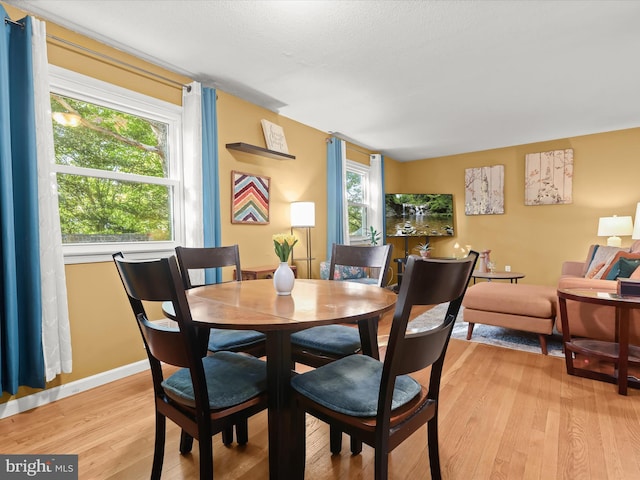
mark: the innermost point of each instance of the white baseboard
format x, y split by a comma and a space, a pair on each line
38, 399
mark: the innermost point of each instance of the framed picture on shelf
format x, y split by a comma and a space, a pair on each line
249, 198
274, 137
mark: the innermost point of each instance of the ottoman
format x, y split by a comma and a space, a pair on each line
530, 308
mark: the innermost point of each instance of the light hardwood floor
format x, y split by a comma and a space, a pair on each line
504, 414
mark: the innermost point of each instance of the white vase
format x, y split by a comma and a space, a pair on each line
283, 279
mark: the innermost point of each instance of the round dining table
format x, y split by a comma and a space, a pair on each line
254, 305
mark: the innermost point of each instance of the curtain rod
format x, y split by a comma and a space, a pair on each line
120, 62
107, 57
12, 22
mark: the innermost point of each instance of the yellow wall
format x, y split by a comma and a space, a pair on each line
302, 179
534, 240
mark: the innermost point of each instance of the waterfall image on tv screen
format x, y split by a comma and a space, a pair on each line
419, 214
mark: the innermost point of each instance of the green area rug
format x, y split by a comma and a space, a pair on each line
503, 337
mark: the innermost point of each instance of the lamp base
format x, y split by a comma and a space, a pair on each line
614, 242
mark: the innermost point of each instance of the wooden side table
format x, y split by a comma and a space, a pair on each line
619, 352
266, 271
511, 276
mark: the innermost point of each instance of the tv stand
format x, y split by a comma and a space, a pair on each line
402, 260
406, 241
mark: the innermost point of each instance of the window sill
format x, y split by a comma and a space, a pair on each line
77, 254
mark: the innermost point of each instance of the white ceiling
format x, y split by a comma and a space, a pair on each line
410, 79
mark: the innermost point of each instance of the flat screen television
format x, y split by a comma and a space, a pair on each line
423, 214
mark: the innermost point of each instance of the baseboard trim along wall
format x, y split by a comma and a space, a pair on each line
19, 405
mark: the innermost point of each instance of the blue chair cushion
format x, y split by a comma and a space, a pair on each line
365, 280
232, 378
224, 339
335, 339
351, 386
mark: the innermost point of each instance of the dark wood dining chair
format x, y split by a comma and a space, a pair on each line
318, 346
208, 394
377, 402
221, 339
202, 258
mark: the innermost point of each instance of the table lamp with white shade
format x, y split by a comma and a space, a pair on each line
615, 227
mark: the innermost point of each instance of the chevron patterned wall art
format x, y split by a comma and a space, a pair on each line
250, 202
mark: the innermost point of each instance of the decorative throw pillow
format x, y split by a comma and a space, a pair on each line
612, 270
627, 266
606, 254
589, 259
591, 273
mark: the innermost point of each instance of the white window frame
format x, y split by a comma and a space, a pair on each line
75, 85
364, 170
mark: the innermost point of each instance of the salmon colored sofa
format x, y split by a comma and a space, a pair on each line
598, 271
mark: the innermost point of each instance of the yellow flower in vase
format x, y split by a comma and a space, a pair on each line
283, 243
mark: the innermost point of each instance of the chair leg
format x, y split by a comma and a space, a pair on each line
242, 432
158, 451
434, 451
470, 330
356, 446
335, 439
206, 458
186, 442
543, 343
227, 436
381, 464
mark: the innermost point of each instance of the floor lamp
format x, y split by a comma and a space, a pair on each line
303, 215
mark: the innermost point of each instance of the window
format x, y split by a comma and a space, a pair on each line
358, 200
118, 168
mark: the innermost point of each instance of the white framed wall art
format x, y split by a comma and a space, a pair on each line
549, 178
484, 190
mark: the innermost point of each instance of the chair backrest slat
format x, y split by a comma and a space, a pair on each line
423, 348
200, 258
425, 282
164, 343
159, 281
376, 258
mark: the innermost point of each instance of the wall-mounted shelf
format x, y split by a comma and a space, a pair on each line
263, 152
